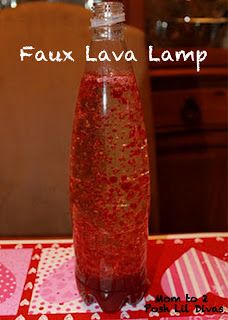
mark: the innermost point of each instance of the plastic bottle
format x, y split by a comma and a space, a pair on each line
109, 184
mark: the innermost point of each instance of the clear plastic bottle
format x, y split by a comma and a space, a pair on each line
110, 174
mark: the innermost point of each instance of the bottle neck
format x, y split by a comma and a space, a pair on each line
108, 38
108, 42
104, 33
107, 21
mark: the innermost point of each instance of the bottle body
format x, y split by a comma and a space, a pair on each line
110, 188
109, 185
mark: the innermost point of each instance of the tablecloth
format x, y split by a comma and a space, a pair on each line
37, 280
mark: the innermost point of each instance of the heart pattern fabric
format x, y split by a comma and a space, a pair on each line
7, 283
60, 286
45, 286
196, 273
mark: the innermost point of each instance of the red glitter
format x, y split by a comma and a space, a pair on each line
110, 191
113, 179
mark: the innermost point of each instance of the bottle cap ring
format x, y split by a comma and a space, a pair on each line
107, 21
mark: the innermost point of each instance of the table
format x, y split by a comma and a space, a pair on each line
32, 273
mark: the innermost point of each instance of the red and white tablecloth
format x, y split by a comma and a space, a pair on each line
37, 280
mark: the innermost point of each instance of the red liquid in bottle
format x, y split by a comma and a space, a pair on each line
110, 191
